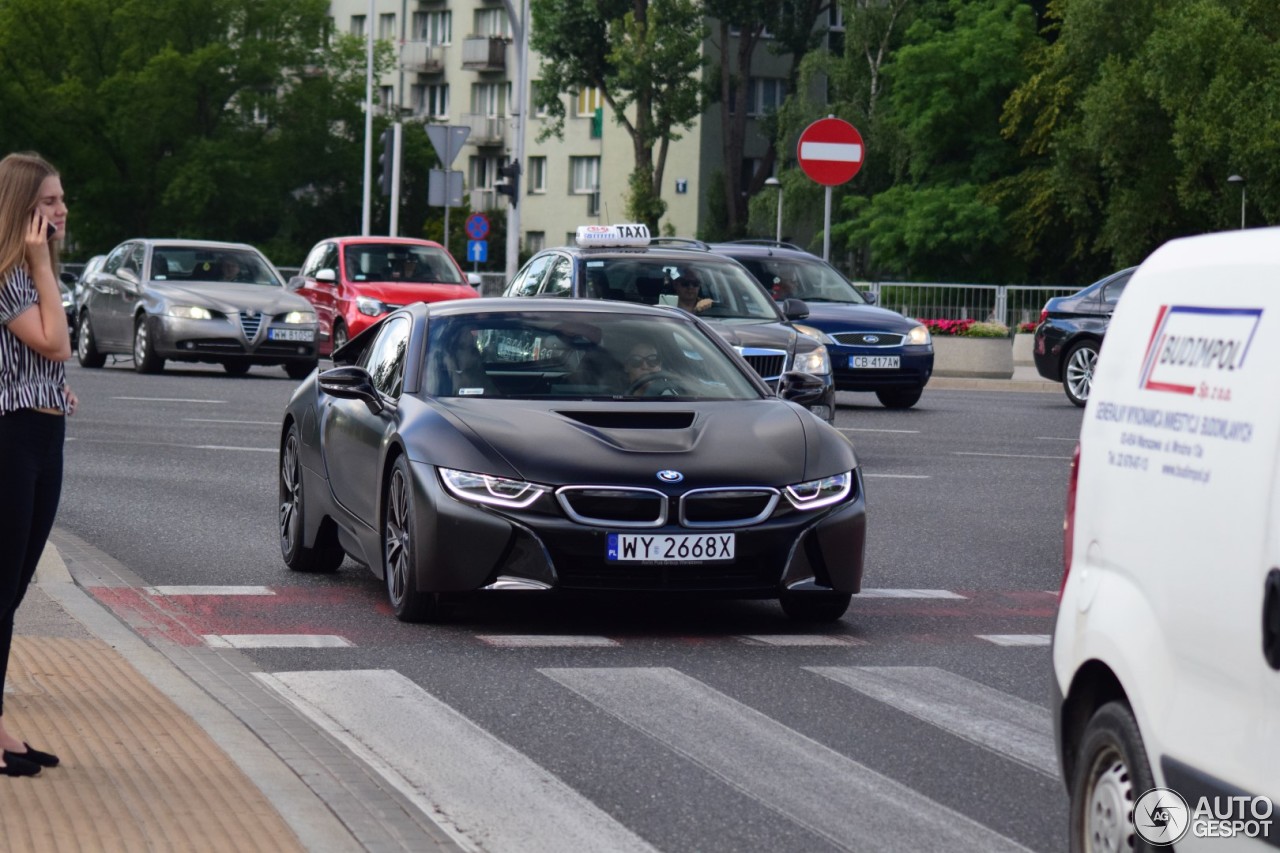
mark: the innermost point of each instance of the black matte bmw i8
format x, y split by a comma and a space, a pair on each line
567, 445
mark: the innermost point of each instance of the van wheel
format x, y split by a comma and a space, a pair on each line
1111, 772
1077, 373
899, 398
86, 347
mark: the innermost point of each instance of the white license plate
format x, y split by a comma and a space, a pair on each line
670, 548
291, 334
874, 362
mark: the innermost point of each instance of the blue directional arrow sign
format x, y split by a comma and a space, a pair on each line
478, 251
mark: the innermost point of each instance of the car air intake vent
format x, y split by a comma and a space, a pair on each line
726, 507
250, 321
614, 507
769, 366
869, 339
632, 419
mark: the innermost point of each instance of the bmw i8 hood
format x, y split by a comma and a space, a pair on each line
230, 297
764, 442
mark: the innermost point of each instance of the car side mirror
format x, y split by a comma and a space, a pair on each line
795, 309
295, 283
351, 383
474, 279
326, 275
869, 296
802, 388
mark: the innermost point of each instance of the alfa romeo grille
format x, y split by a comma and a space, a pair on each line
250, 321
869, 339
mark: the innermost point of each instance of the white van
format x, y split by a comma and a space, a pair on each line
1166, 650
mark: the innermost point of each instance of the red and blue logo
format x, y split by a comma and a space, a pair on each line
1191, 344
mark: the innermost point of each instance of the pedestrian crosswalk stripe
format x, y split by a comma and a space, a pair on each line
208, 590
1005, 724
276, 641
1016, 639
801, 640
544, 641
450, 768
909, 593
831, 795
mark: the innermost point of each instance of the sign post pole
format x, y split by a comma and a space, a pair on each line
830, 151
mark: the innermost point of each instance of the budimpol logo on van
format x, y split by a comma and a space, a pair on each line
1188, 343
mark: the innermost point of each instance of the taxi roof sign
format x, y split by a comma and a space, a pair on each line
633, 235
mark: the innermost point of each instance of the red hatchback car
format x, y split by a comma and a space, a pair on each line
352, 281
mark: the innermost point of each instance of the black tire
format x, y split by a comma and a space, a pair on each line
400, 553
899, 398
1077, 371
327, 554
145, 359
1111, 772
299, 369
236, 368
815, 606
339, 336
86, 347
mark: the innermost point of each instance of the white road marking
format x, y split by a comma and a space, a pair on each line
226, 447
909, 593
485, 793
171, 400
846, 803
276, 641
231, 421
990, 718
179, 446
209, 590
1009, 455
1016, 639
800, 640
544, 641
867, 476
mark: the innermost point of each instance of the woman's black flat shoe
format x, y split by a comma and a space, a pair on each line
32, 756
15, 766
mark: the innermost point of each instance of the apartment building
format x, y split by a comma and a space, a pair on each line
458, 66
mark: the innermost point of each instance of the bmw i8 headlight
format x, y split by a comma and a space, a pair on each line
188, 312
487, 489
299, 317
370, 306
918, 335
815, 494
815, 361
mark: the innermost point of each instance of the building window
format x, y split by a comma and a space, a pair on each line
539, 110
489, 99
484, 172
535, 241
584, 175
436, 102
387, 27
764, 95
357, 25
537, 174
493, 22
588, 101
435, 28
387, 98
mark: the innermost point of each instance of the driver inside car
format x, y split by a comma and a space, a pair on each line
646, 376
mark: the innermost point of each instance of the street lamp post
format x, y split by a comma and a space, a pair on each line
774, 182
1237, 179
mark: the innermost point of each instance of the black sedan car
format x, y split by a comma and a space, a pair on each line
622, 262
567, 446
872, 348
1069, 334
194, 300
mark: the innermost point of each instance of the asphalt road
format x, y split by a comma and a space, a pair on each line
919, 721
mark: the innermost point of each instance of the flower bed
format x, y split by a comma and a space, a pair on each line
966, 329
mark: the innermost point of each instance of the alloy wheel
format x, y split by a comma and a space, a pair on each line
290, 495
1080, 371
397, 539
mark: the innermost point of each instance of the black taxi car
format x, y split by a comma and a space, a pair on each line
623, 263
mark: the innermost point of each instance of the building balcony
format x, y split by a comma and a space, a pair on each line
486, 130
421, 57
484, 53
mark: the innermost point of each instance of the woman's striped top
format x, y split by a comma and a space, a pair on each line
28, 380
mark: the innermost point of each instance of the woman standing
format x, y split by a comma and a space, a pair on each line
34, 399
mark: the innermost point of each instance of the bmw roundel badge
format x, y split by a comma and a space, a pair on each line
669, 476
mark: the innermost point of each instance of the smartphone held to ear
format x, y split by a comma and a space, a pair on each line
50, 230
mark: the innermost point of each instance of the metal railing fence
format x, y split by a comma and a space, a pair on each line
1008, 304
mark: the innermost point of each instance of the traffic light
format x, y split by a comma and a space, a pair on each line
511, 172
386, 161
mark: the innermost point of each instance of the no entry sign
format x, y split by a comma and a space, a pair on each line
830, 151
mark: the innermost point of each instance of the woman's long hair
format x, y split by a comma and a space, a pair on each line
20, 178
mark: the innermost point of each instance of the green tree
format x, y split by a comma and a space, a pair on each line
644, 56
